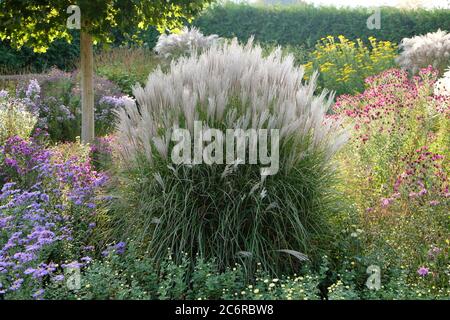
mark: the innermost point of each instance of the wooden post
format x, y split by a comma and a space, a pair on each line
87, 88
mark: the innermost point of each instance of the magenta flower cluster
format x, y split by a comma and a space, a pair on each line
387, 96
388, 110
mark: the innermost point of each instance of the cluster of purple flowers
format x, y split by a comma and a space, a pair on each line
41, 196
54, 98
118, 248
4, 94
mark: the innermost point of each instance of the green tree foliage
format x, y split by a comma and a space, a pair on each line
38, 23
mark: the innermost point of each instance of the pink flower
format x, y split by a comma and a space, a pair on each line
423, 271
385, 202
434, 203
412, 194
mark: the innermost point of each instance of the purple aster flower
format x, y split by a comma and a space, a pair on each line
58, 278
423, 271
38, 294
45, 197
86, 259
120, 247
16, 284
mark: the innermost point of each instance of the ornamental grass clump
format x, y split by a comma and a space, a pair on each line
184, 43
422, 51
229, 212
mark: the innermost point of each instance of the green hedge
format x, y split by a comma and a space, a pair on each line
284, 25
305, 24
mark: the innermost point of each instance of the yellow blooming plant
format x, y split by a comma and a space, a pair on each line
344, 64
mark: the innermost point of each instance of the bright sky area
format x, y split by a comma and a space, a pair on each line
374, 3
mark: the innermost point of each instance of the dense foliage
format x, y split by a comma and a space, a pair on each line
295, 25
305, 24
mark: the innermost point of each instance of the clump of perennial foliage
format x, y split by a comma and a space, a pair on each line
229, 211
47, 206
425, 50
184, 43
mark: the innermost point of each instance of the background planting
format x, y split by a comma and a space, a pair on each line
288, 25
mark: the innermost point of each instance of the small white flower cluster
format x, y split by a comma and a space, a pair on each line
442, 86
184, 43
424, 50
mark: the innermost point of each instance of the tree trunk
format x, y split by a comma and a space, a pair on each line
87, 88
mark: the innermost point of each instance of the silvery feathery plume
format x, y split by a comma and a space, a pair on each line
424, 50
187, 42
234, 86
442, 86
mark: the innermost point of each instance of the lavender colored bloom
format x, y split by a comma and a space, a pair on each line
45, 198
24, 257
3, 94
16, 284
385, 202
423, 271
120, 247
91, 205
29, 271
33, 89
86, 259
58, 278
8, 186
38, 294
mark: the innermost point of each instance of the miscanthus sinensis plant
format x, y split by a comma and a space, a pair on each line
422, 51
184, 43
15, 120
221, 211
